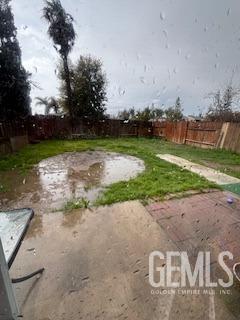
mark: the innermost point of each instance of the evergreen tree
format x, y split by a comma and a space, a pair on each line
14, 83
147, 114
175, 113
88, 88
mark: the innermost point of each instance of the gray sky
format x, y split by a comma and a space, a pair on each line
152, 50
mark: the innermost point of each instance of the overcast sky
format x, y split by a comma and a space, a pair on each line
152, 50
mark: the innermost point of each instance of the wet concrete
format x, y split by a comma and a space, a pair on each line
97, 260
54, 181
97, 268
206, 222
96, 265
206, 172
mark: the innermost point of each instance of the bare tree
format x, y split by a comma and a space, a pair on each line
221, 108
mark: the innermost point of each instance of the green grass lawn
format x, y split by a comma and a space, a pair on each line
159, 179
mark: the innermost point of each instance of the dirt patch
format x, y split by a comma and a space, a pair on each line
71, 175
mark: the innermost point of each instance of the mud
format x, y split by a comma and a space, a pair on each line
56, 180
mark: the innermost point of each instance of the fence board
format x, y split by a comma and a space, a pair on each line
232, 138
201, 134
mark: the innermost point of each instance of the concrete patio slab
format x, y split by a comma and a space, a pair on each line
97, 262
208, 173
96, 265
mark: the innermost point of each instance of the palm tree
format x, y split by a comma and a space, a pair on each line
54, 105
63, 35
43, 102
49, 103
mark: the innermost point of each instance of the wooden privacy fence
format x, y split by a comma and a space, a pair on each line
16, 134
13, 136
230, 137
111, 128
173, 131
12, 129
201, 134
47, 127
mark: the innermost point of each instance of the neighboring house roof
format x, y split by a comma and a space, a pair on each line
194, 118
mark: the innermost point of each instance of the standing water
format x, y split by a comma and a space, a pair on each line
71, 175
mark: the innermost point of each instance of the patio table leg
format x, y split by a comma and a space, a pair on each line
8, 305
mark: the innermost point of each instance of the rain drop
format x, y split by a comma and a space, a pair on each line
165, 33
162, 16
142, 80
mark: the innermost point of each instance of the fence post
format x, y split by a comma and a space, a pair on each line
186, 132
222, 135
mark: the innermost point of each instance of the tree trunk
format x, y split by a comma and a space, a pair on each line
68, 86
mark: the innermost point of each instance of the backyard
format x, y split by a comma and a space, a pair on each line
85, 195
159, 179
119, 160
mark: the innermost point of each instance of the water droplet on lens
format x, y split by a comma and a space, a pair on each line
165, 33
162, 16
164, 89
142, 80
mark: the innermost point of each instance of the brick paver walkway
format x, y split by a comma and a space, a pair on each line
201, 222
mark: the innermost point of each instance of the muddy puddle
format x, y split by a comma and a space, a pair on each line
56, 180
